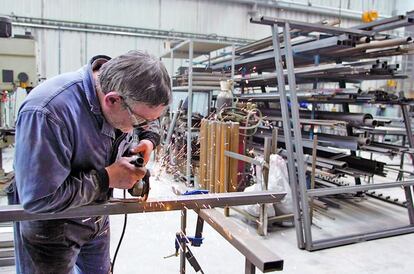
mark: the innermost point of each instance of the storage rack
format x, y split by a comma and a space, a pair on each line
191, 49
297, 171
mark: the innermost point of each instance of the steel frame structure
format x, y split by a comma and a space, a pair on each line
190, 88
294, 149
135, 205
255, 254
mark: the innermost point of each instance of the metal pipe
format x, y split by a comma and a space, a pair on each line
379, 22
353, 119
267, 56
190, 113
42, 23
16, 213
267, 42
233, 56
306, 8
375, 45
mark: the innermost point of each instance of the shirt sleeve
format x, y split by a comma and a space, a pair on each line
45, 179
151, 132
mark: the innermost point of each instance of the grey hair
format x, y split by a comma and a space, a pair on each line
137, 77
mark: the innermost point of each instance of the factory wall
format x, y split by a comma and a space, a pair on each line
61, 51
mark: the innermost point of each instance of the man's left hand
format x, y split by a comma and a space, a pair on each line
145, 147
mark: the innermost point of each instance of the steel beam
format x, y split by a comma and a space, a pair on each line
190, 114
356, 188
293, 179
362, 237
42, 23
297, 136
256, 254
266, 20
380, 22
407, 190
128, 206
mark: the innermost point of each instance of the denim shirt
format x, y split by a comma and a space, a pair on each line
62, 142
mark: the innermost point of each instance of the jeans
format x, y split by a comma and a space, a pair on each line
66, 246
62, 246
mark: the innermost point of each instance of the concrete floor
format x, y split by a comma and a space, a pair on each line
149, 237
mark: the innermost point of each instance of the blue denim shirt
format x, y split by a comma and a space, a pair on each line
62, 141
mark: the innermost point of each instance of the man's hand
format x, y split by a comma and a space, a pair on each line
122, 174
145, 147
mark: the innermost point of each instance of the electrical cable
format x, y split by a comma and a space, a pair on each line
253, 115
120, 239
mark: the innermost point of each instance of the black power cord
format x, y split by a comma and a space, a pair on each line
120, 239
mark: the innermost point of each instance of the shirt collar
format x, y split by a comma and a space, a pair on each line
90, 91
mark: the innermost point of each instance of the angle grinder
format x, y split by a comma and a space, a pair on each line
142, 187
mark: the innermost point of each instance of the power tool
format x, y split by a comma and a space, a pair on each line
142, 187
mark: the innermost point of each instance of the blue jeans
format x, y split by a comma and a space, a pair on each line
66, 246
63, 246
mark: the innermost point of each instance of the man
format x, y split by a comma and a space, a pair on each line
71, 134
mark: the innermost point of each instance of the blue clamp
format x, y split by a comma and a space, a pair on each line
195, 241
196, 192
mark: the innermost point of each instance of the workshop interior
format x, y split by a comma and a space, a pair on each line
287, 147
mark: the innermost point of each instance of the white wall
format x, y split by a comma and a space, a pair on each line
62, 51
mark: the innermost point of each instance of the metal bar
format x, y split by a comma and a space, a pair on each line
407, 123
357, 238
312, 186
349, 130
408, 190
266, 20
233, 56
172, 125
368, 26
245, 158
249, 268
190, 113
287, 132
351, 189
42, 23
262, 226
254, 251
129, 206
395, 25
268, 55
266, 42
172, 65
400, 176
353, 119
183, 244
297, 138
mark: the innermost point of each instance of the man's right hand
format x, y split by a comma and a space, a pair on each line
122, 174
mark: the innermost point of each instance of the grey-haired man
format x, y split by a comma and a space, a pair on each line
71, 134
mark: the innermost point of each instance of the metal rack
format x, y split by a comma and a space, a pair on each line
293, 136
191, 49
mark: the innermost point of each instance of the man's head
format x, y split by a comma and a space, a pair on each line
133, 88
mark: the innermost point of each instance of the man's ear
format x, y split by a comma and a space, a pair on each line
112, 98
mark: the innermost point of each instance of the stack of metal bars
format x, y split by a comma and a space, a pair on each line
333, 45
294, 143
